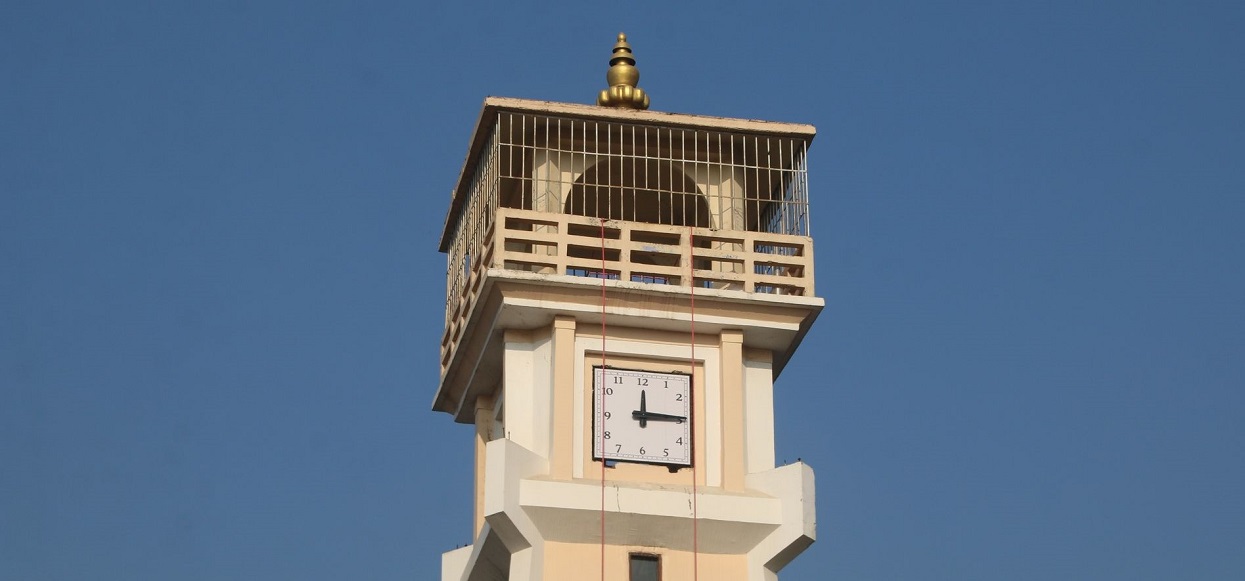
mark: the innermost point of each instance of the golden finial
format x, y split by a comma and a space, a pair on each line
622, 78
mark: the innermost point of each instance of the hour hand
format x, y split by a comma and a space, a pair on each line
645, 416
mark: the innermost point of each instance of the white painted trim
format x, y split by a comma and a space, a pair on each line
795, 485
454, 563
521, 408
528, 393
771, 522
542, 387
758, 416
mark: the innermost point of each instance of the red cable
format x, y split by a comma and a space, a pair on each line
602, 440
691, 253
692, 298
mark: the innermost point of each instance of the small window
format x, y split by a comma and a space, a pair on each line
645, 568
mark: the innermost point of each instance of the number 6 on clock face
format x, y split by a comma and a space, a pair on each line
641, 416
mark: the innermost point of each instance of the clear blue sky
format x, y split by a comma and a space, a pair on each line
220, 291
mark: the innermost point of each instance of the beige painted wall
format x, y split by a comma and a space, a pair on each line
545, 399
570, 561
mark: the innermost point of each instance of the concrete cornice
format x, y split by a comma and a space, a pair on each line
512, 299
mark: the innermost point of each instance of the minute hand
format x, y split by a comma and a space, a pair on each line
647, 415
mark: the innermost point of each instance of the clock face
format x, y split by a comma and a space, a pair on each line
642, 416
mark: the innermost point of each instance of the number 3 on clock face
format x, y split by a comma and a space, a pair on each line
641, 416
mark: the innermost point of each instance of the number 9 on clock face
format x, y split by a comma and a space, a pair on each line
641, 416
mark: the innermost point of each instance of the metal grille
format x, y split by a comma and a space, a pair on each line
629, 172
473, 225
660, 175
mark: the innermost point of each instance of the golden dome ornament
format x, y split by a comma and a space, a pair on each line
622, 78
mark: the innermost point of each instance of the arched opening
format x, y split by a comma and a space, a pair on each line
638, 191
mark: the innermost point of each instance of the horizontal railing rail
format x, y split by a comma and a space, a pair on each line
656, 254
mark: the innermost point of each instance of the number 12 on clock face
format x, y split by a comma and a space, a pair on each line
641, 416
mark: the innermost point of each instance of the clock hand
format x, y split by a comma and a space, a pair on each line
645, 416
643, 412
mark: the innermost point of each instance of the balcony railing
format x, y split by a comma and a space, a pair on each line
655, 255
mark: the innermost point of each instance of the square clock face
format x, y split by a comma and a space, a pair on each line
641, 416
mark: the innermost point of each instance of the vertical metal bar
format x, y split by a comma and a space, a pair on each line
694, 196
781, 196
808, 215
736, 205
756, 172
749, 211
633, 184
546, 178
596, 140
682, 171
660, 164
583, 164
559, 185
578, 163
721, 199
609, 171
648, 161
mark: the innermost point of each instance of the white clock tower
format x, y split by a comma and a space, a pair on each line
624, 286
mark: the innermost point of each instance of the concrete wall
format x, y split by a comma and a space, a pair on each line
570, 561
756, 517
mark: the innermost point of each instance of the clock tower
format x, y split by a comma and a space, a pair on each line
624, 287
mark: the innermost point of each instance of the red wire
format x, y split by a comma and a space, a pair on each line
692, 297
602, 440
691, 252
